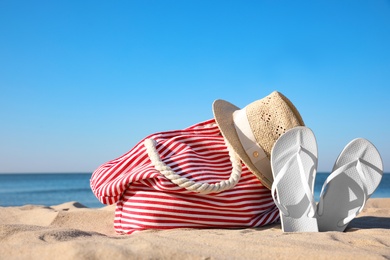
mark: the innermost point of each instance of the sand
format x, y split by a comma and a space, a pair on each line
72, 231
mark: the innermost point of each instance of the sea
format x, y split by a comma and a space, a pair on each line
51, 189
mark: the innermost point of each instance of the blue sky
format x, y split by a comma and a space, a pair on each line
83, 81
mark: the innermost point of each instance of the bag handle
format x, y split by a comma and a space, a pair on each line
200, 187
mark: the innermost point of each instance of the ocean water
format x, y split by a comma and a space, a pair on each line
54, 189
46, 189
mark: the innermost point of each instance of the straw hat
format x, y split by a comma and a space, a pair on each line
253, 130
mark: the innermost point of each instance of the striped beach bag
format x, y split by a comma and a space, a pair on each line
186, 178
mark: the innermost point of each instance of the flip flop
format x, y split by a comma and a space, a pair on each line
355, 176
294, 166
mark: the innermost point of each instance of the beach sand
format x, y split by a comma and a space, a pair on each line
72, 231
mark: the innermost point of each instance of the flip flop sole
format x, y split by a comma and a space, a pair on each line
343, 196
289, 188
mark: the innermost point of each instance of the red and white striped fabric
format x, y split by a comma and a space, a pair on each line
148, 200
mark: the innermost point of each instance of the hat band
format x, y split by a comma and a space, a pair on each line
248, 141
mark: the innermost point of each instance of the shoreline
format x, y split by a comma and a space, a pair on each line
72, 231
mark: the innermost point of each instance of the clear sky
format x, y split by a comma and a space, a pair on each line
83, 81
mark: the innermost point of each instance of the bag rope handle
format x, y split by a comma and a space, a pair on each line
183, 182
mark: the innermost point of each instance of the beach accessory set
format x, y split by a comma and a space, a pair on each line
194, 177
237, 170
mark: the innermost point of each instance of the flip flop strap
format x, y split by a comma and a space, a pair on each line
358, 165
305, 185
190, 185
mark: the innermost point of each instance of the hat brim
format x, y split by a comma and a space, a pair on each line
223, 114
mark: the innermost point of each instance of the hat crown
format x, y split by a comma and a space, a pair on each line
270, 117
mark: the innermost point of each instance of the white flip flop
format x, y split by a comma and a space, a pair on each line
294, 167
355, 176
